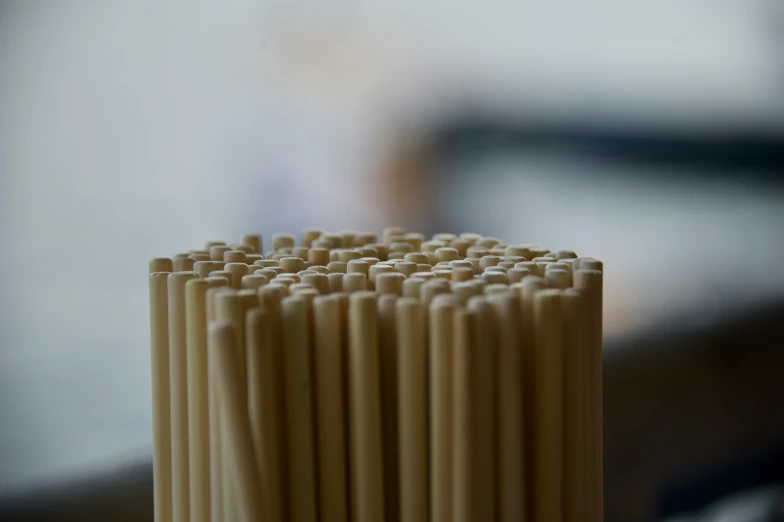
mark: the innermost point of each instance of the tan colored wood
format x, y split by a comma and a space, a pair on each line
466, 485
178, 389
330, 407
197, 395
590, 283
441, 315
576, 501
247, 491
300, 432
509, 390
161, 412
548, 406
355, 282
485, 339
412, 410
365, 436
264, 412
387, 342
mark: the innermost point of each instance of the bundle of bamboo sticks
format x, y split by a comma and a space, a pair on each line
450, 379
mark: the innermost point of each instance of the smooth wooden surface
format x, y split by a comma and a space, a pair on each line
264, 413
247, 491
590, 282
198, 411
485, 334
387, 343
329, 356
509, 390
465, 494
178, 388
440, 330
365, 439
577, 483
412, 408
300, 432
547, 416
161, 413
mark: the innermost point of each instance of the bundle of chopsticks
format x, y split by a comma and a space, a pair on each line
456, 378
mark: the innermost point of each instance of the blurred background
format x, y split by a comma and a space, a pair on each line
650, 136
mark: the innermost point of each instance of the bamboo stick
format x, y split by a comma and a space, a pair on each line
264, 411
161, 416
329, 377
486, 397
223, 341
576, 482
590, 282
412, 408
465, 494
365, 438
178, 387
300, 433
548, 406
511, 435
442, 310
387, 342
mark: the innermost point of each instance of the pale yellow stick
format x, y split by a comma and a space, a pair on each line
354, 282
270, 299
263, 410
412, 408
465, 495
485, 334
365, 438
576, 482
528, 289
440, 329
178, 387
335, 282
328, 358
161, 418
198, 415
590, 282
239, 443
511, 485
228, 309
300, 430
548, 406
389, 420
160, 264
253, 240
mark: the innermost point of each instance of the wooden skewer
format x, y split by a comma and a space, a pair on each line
590, 283
486, 421
161, 416
576, 481
253, 240
387, 341
329, 377
441, 315
412, 408
548, 406
178, 383
160, 264
529, 287
299, 410
465, 495
198, 410
240, 453
511, 454
264, 410
365, 439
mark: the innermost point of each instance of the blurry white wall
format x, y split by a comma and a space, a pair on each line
136, 129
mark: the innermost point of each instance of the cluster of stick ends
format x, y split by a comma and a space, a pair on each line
450, 379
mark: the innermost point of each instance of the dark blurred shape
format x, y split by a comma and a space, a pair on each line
123, 495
